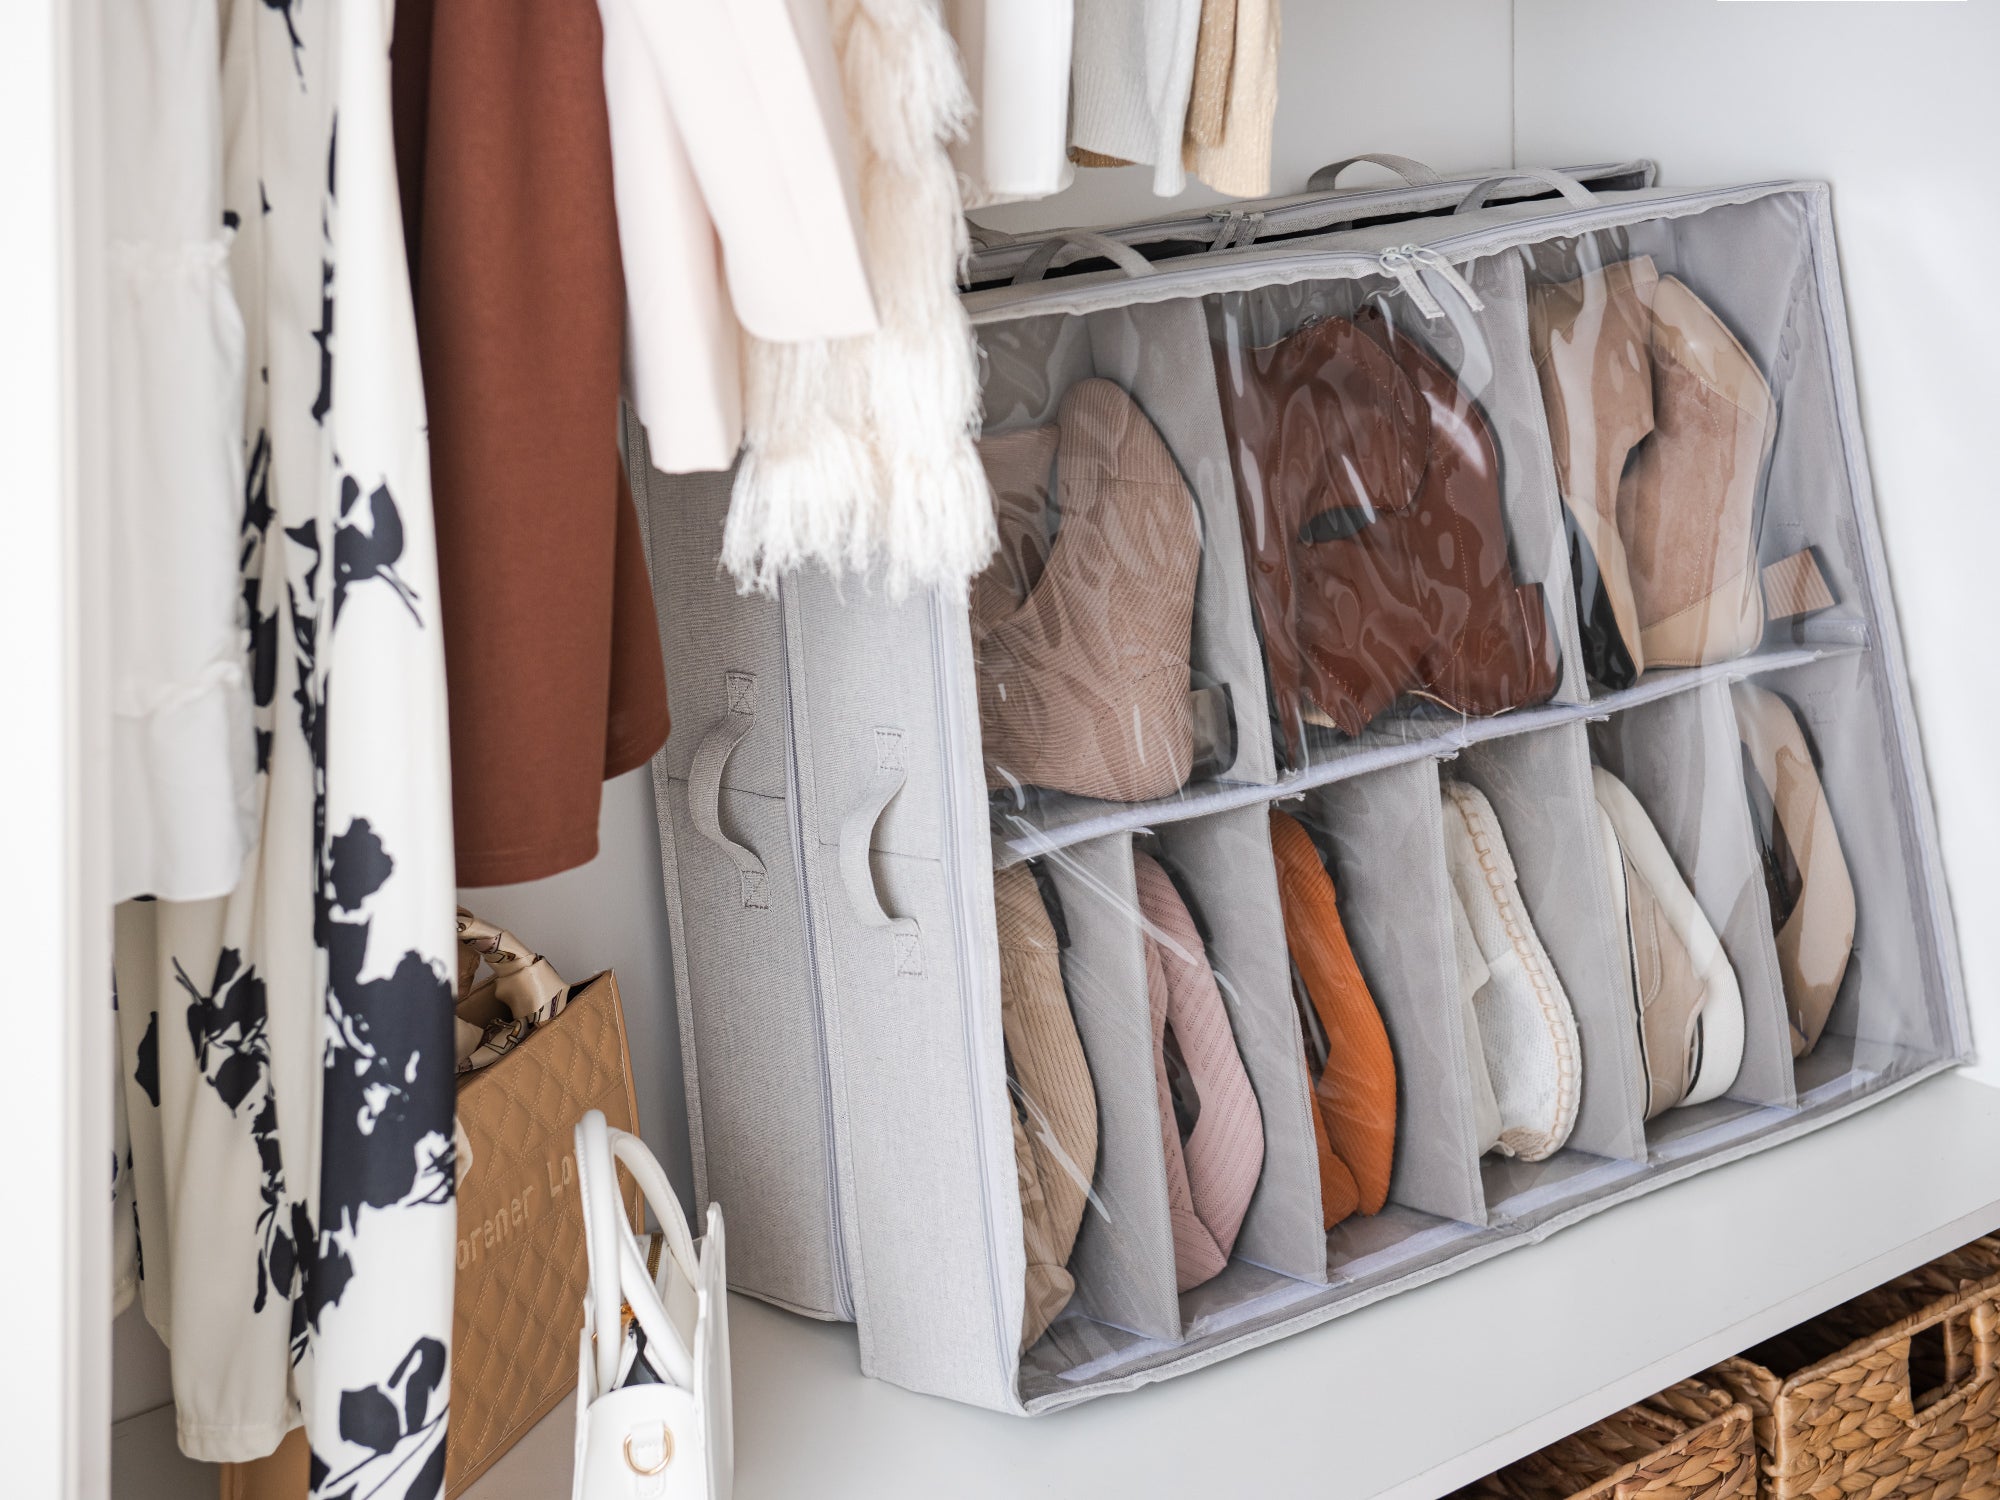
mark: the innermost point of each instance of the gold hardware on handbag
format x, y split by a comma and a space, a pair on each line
541, 1053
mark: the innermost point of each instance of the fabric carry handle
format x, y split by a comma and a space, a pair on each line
1562, 182
1412, 171
857, 834
705, 786
1043, 260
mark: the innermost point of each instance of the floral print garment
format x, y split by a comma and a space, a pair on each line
287, 1050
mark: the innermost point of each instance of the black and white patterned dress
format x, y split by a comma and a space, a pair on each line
287, 1049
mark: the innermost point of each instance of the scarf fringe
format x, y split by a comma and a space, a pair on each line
860, 453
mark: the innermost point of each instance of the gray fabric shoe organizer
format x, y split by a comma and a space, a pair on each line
828, 839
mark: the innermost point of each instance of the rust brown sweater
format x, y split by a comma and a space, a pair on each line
552, 654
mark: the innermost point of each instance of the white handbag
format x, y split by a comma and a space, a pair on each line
652, 1390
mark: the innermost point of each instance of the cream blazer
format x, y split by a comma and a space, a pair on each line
731, 165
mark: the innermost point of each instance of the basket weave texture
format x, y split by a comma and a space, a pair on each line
1690, 1442
1891, 1394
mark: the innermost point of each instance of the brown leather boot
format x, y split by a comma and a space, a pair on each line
1084, 682
1369, 485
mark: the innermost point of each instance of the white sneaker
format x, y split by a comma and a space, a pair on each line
1527, 1031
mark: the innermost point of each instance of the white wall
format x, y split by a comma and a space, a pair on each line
1899, 108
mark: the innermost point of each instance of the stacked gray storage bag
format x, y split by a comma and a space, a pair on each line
829, 843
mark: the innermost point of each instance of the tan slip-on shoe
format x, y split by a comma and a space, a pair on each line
1085, 687
1055, 1103
1690, 1008
1805, 872
1687, 504
1527, 1030
1592, 345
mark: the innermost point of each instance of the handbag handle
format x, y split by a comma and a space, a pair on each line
857, 834
1044, 258
705, 785
1412, 171
1562, 182
618, 1276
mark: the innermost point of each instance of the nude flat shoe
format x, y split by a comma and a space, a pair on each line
1805, 872
1690, 1008
1213, 1174
1532, 1059
1354, 1091
1084, 683
1055, 1102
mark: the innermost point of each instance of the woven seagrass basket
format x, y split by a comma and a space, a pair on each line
1690, 1442
1889, 1395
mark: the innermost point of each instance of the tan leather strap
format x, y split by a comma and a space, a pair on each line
1795, 585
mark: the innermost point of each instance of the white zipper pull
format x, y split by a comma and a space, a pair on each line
1407, 264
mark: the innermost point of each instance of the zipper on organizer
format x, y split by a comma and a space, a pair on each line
1172, 274
966, 921
795, 816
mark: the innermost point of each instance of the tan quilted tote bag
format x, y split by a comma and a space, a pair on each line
534, 1054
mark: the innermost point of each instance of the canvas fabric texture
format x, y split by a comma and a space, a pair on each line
830, 845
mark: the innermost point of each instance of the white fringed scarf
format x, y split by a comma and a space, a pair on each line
859, 452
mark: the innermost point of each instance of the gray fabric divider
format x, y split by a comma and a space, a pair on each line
1512, 401
1124, 1257
1385, 838
1892, 993
935, 1257
1161, 355
768, 1151
1680, 758
1539, 785
1225, 863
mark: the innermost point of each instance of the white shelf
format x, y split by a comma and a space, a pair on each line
1414, 1395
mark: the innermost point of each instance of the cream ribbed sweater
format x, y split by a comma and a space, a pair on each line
1131, 70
